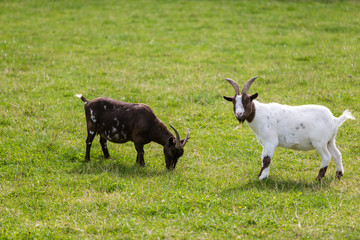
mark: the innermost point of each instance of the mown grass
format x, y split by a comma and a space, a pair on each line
173, 56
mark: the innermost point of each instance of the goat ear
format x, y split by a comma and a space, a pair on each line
252, 97
171, 141
230, 99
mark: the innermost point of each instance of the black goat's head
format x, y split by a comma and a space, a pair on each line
243, 106
174, 149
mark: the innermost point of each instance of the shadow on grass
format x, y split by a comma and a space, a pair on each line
283, 185
117, 168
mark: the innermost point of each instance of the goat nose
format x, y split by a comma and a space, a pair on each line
238, 114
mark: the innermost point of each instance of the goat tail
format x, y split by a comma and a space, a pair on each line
81, 97
345, 116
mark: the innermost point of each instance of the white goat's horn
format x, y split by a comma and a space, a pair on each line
248, 84
235, 85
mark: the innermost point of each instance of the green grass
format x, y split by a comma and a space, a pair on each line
174, 56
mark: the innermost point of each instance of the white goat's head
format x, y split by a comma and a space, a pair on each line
244, 108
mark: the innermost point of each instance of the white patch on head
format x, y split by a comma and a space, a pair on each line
92, 116
92, 132
105, 107
239, 108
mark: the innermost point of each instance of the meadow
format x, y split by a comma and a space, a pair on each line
174, 56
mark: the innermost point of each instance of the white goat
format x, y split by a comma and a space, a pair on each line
303, 127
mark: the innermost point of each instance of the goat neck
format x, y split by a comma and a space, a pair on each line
162, 134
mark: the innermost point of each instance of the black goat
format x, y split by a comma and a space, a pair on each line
120, 122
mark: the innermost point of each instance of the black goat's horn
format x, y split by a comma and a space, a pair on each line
186, 138
235, 85
177, 144
248, 84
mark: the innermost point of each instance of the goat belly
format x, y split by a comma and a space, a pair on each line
296, 143
117, 136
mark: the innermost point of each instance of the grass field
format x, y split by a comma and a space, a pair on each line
174, 56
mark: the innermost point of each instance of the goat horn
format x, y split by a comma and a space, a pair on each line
177, 144
234, 84
186, 138
248, 84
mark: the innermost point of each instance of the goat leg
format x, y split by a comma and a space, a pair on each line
103, 143
89, 139
140, 154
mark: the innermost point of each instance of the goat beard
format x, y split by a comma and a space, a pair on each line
238, 126
242, 120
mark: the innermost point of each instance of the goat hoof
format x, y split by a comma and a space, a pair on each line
339, 174
319, 177
263, 177
321, 173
